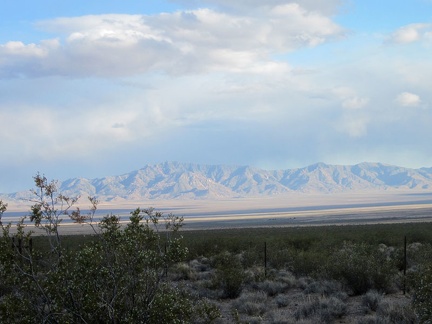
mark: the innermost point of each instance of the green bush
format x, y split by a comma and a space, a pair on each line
361, 268
229, 274
117, 277
423, 294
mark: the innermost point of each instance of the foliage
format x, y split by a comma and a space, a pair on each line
119, 276
423, 294
361, 268
229, 275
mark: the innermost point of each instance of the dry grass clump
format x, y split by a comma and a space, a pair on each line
286, 277
371, 300
323, 287
254, 274
282, 300
322, 309
390, 315
201, 264
182, 271
272, 288
394, 312
251, 303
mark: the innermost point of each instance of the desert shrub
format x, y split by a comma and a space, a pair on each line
286, 277
252, 256
361, 268
331, 309
254, 274
207, 312
372, 319
282, 300
418, 254
251, 303
323, 287
182, 271
170, 305
272, 288
394, 312
281, 316
118, 276
229, 274
423, 293
281, 258
324, 309
306, 263
371, 300
201, 264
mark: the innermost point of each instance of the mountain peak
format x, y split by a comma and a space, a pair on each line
175, 180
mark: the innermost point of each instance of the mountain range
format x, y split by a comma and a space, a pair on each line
173, 180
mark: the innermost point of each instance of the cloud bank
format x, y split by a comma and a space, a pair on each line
184, 42
275, 84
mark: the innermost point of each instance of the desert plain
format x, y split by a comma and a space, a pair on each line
296, 209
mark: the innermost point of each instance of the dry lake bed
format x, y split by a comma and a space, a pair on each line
288, 210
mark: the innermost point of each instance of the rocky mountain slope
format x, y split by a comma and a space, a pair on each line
192, 181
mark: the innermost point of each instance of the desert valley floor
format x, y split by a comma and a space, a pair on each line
279, 211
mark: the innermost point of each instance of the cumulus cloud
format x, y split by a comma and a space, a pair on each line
408, 99
411, 33
183, 42
228, 93
328, 7
349, 98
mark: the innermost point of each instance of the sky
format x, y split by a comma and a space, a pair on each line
104, 87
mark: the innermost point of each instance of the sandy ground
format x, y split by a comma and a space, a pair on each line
289, 210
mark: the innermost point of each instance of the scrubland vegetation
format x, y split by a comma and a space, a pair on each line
151, 272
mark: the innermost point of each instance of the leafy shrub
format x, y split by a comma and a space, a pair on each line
423, 294
361, 268
229, 274
207, 312
116, 277
306, 263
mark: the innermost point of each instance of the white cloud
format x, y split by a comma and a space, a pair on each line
195, 41
232, 89
349, 98
408, 99
411, 33
327, 7
355, 103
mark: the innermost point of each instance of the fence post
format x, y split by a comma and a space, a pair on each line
166, 264
405, 264
265, 259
